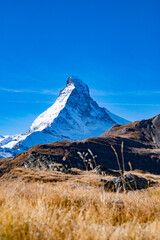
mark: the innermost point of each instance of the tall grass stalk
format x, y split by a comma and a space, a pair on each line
117, 160
122, 148
83, 157
93, 157
124, 180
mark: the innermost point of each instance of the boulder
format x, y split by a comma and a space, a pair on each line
128, 182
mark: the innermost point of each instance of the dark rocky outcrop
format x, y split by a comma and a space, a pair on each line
128, 182
44, 161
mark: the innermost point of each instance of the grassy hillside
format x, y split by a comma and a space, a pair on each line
52, 205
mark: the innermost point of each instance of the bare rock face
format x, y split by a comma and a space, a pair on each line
44, 161
128, 182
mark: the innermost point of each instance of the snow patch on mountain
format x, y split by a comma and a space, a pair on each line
13, 140
5, 139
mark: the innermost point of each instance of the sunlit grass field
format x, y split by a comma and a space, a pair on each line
49, 205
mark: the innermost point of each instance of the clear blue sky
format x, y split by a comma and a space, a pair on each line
113, 46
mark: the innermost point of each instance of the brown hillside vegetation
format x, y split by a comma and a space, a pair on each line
42, 204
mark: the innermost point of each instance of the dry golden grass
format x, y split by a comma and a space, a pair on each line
75, 207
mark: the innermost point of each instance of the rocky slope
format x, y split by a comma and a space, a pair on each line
139, 152
145, 131
73, 116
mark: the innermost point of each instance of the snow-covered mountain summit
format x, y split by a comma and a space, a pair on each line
73, 116
46, 119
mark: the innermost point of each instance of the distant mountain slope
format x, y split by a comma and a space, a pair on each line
73, 116
145, 131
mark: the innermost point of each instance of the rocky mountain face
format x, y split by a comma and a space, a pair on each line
73, 116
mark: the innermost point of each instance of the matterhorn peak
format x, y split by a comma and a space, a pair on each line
70, 81
78, 84
74, 81
73, 116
